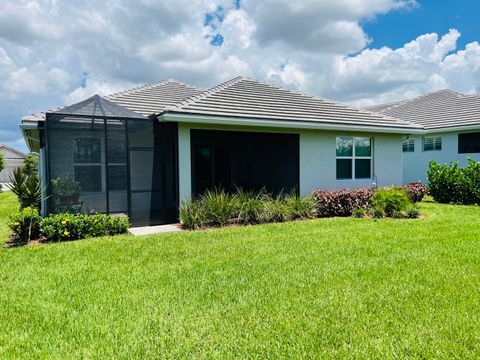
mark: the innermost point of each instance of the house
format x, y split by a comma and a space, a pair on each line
143, 151
13, 159
451, 123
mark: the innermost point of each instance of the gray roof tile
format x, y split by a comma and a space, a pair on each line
437, 110
248, 98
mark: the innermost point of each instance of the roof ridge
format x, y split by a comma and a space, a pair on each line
204, 94
151, 85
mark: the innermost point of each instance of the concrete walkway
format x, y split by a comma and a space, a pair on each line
158, 229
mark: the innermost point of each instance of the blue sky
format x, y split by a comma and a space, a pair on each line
360, 52
397, 28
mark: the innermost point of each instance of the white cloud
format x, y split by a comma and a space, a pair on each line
315, 46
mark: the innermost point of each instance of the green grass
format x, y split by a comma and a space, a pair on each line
8, 204
324, 288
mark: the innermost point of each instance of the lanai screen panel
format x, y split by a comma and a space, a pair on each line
77, 164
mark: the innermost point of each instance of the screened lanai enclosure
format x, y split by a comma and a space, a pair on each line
102, 157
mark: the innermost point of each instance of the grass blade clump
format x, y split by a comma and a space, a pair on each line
218, 207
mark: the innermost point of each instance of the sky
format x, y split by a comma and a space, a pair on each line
360, 52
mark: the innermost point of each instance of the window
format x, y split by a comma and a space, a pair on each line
469, 143
408, 144
354, 157
87, 150
87, 157
432, 142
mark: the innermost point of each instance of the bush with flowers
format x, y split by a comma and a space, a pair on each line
65, 227
24, 225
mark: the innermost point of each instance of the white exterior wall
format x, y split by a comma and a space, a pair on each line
317, 158
415, 164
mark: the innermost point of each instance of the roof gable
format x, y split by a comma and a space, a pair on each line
11, 153
248, 98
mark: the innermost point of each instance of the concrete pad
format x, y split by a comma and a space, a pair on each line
157, 229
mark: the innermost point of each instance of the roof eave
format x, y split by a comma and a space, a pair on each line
275, 123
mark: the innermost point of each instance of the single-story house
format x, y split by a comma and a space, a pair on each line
143, 151
13, 159
451, 123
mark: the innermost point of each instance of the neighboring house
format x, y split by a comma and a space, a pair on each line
451, 123
143, 151
13, 159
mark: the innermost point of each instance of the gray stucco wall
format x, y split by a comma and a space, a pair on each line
317, 158
415, 164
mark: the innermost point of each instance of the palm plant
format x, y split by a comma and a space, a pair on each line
26, 187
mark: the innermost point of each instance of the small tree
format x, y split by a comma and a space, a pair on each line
31, 164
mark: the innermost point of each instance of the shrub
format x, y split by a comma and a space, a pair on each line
25, 225
390, 200
415, 191
359, 213
378, 212
218, 207
63, 227
448, 183
66, 196
299, 207
275, 210
192, 215
249, 206
342, 202
397, 214
26, 187
413, 212
31, 164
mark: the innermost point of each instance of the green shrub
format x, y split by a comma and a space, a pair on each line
275, 210
359, 213
413, 212
25, 225
390, 200
300, 207
397, 214
218, 207
192, 215
249, 206
31, 164
26, 187
448, 183
378, 212
66, 196
64, 227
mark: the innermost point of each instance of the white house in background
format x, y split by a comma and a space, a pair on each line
143, 151
13, 159
451, 123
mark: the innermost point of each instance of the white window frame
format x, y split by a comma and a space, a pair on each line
408, 141
355, 157
436, 139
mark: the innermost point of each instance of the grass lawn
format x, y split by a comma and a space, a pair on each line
325, 288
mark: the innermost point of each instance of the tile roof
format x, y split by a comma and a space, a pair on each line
248, 98
145, 100
437, 110
153, 98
